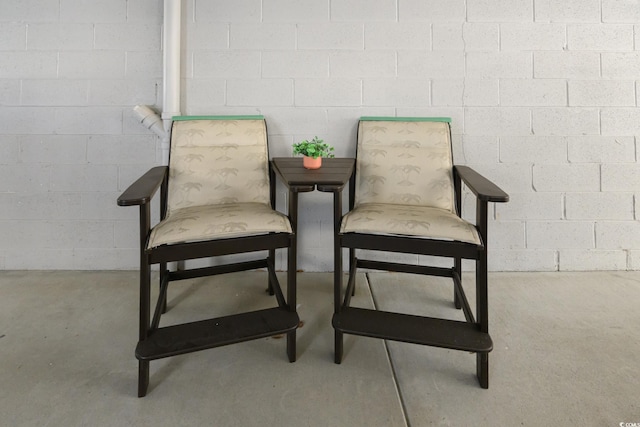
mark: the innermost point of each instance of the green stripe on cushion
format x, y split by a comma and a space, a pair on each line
183, 118
406, 119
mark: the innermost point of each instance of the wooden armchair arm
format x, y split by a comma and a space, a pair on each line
484, 189
141, 191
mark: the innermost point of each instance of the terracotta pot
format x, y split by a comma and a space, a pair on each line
311, 163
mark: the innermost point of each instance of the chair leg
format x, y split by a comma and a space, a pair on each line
163, 273
339, 347
143, 377
272, 258
483, 369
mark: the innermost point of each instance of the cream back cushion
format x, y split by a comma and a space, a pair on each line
218, 161
405, 162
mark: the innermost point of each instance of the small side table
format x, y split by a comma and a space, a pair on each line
332, 177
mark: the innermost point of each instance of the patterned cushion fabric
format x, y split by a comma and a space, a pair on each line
409, 220
218, 162
218, 183
404, 182
405, 162
200, 223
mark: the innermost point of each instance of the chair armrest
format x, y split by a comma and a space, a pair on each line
141, 191
484, 189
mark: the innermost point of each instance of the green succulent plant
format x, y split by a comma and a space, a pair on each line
314, 148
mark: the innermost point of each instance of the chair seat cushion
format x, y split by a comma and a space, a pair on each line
409, 220
201, 223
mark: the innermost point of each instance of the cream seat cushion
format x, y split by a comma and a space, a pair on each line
201, 223
409, 220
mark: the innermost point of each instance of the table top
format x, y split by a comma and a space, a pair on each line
334, 172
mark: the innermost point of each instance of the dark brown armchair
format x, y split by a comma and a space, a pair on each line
406, 198
216, 198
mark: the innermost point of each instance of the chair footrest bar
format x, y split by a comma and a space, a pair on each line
443, 333
195, 336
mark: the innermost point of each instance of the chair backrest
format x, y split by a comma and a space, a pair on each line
406, 161
218, 160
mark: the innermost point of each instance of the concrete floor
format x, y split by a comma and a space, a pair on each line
566, 352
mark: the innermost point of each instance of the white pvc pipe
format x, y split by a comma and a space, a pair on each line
150, 119
171, 69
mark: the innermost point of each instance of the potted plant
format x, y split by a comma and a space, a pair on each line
313, 152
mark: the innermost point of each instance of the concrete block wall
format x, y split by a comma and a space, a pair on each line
543, 96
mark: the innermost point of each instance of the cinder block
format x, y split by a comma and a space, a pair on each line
295, 11
363, 10
448, 36
532, 36
212, 35
531, 206
31, 10
592, 260
620, 121
122, 92
10, 92
434, 64
497, 120
144, 65
481, 37
104, 64
600, 206
397, 36
106, 259
362, 64
390, 92
46, 206
567, 10
80, 178
14, 36
127, 36
28, 65
88, 120
499, 11
560, 235
101, 206
620, 177
60, 36
534, 149
592, 93
566, 121
295, 63
224, 11
600, 37
268, 92
54, 92
633, 260
447, 91
149, 11
94, 11
204, 94
432, 10
566, 65
331, 36
533, 92
263, 36
53, 149
9, 149
478, 149
328, 92
39, 259
27, 121
505, 234
601, 149
491, 65
15, 179
620, 65
523, 260
617, 234
226, 64
567, 178
121, 149
296, 120
620, 11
